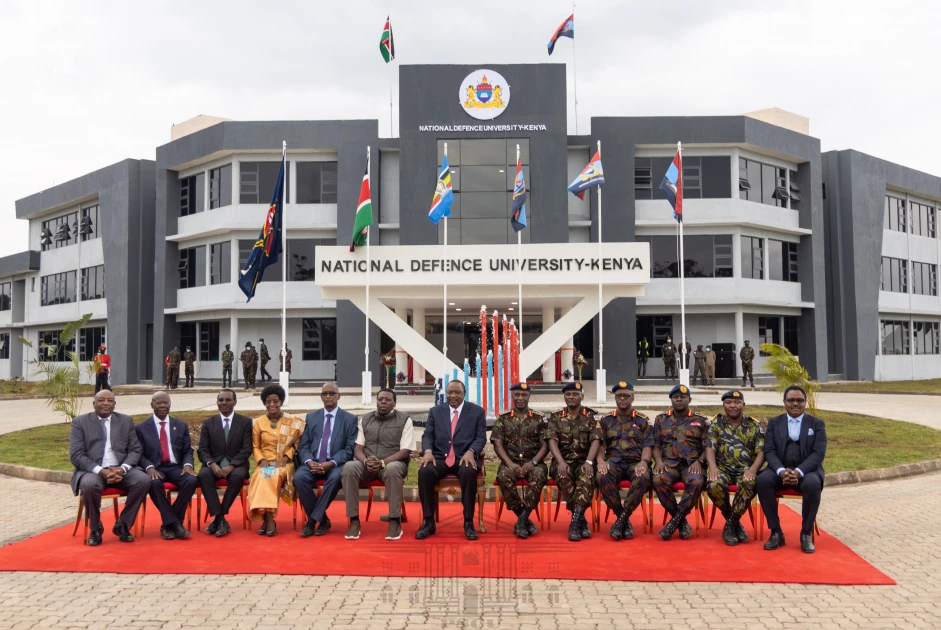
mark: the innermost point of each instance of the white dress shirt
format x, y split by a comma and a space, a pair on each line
110, 458
157, 422
407, 441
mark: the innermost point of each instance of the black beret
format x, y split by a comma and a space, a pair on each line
522, 387
622, 385
574, 386
734, 394
680, 389
248, 344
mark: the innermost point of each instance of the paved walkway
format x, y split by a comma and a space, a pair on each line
891, 524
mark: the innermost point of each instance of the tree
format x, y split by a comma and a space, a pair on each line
62, 379
788, 371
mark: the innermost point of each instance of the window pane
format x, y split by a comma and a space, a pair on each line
454, 152
482, 205
301, 259
698, 253
484, 231
483, 178
482, 152
778, 262
511, 150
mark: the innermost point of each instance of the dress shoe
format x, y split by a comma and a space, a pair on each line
617, 530
586, 530
167, 533
628, 532
122, 532
469, 532
324, 527
308, 530
670, 528
575, 527
807, 543
223, 529
775, 540
213, 527
740, 532
686, 530
179, 531
427, 529
94, 538
395, 529
353, 531
728, 534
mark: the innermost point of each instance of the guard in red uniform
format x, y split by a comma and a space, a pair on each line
102, 370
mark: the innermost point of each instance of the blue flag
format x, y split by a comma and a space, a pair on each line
591, 175
267, 248
518, 209
672, 186
566, 29
444, 196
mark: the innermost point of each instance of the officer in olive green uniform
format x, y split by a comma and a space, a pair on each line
285, 361
188, 367
626, 456
249, 359
679, 455
735, 452
685, 356
669, 359
227, 358
699, 366
265, 357
519, 440
173, 368
747, 355
643, 353
574, 439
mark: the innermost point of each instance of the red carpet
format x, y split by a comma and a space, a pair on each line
646, 558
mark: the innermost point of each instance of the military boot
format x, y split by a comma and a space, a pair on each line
617, 530
729, 536
530, 527
686, 530
740, 530
575, 527
586, 529
520, 528
627, 532
670, 528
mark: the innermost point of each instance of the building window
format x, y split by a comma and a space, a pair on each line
706, 256
6, 296
89, 340
762, 183
895, 338
220, 263
769, 331
783, 264
4, 345
752, 257
791, 335
88, 225
656, 328
894, 275
49, 341
924, 278
316, 182
58, 288
220, 187
208, 341
192, 267
922, 220
794, 190
703, 177
59, 232
895, 215
93, 283
258, 179
272, 273
319, 339
192, 194
925, 337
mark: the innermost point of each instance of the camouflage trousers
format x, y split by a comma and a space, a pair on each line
718, 491
669, 367
525, 497
576, 488
618, 472
173, 375
663, 486
747, 372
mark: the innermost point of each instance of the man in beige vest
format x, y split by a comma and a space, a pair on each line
710, 366
384, 444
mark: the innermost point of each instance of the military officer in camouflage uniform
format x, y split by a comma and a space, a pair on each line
684, 356
249, 359
284, 360
265, 357
188, 367
227, 358
679, 456
519, 440
173, 368
669, 358
699, 366
747, 355
735, 452
574, 439
626, 455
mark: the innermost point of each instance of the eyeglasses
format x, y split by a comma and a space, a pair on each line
622, 396
329, 393
794, 400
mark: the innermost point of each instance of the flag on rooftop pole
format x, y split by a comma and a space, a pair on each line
444, 196
518, 209
591, 175
566, 29
672, 186
267, 248
363, 212
386, 43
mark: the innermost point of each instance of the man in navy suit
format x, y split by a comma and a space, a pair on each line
795, 445
455, 434
327, 444
167, 456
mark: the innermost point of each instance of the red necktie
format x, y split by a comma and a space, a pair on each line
449, 460
164, 444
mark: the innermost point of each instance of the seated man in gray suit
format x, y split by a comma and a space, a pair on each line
104, 449
326, 445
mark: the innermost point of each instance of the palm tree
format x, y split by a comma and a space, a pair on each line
787, 369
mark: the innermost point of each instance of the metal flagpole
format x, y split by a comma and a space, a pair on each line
684, 370
575, 72
600, 380
367, 376
519, 270
391, 118
283, 377
444, 311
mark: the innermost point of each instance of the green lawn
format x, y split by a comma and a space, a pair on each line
854, 442
930, 386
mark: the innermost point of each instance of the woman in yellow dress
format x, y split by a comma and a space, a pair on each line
275, 436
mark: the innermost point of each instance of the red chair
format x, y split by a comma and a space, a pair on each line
451, 483
371, 486
169, 488
108, 493
699, 510
547, 501
220, 483
626, 485
787, 492
499, 502
733, 489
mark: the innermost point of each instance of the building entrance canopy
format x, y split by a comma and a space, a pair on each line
562, 275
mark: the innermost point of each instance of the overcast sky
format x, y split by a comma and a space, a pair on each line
86, 84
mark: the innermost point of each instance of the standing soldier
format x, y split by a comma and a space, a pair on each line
643, 353
173, 367
699, 367
626, 455
188, 359
669, 358
747, 355
684, 356
519, 440
227, 358
735, 451
286, 364
679, 456
265, 357
710, 366
102, 365
574, 439
249, 364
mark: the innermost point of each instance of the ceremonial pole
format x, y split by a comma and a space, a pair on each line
600, 380
444, 311
284, 376
519, 267
367, 376
684, 369
575, 72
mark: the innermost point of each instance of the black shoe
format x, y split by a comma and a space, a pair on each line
166, 533
122, 532
575, 527
670, 528
740, 532
586, 530
179, 531
469, 532
223, 529
213, 527
628, 532
309, 528
775, 540
324, 527
427, 529
531, 527
728, 534
617, 530
520, 529
686, 530
94, 538
807, 543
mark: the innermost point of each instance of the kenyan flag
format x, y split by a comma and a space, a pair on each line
363, 212
386, 45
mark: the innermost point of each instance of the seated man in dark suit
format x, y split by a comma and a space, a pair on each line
454, 437
104, 449
795, 445
225, 444
326, 445
167, 456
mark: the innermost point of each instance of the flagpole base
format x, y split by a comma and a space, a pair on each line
367, 388
684, 376
284, 379
601, 386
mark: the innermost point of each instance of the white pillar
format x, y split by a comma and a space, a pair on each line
739, 340
401, 357
567, 352
234, 346
418, 325
548, 319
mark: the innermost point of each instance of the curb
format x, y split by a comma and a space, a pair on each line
35, 474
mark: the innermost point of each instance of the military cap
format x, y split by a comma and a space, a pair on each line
734, 394
574, 386
102, 348
699, 347
622, 385
522, 387
248, 344
680, 389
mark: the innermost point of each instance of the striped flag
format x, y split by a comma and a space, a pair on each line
386, 45
672, 186
363, 212
518, 209
444, 196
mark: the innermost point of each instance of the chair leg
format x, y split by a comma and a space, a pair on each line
294, 511
558, 503
199, 508
481, 497
404, 514
497, 506
242, 496
712, 516
142, 519
643, 511
78, 516
369, 505
546, 500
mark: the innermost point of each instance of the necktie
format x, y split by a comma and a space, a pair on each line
104, 432
164, 444
325, 437
225, 429
449, 460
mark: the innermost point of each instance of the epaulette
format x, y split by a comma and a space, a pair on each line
613, 413
538, 414
587, 411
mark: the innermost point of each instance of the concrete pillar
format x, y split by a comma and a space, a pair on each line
548, 319
401, 357
567, 352
418, 325
236, 347
736, 248
739, 340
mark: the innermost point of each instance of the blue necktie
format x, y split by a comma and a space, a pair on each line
325, 437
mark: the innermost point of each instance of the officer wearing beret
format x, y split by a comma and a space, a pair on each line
574, 439
519, 440
735, 452
249, 359
626, 456
679, 456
